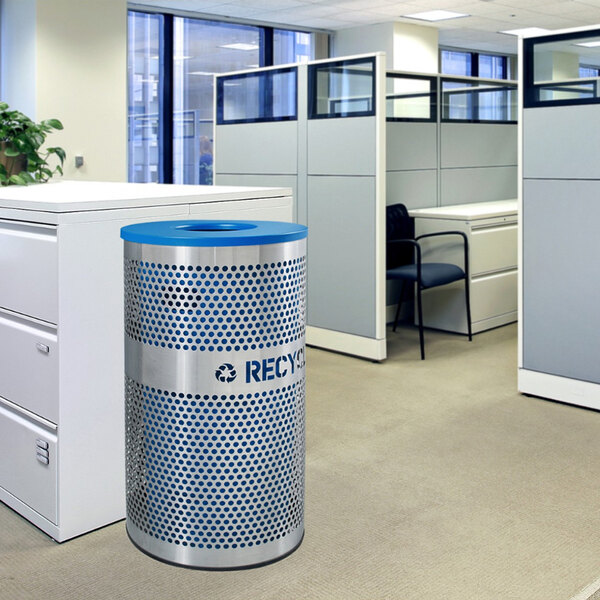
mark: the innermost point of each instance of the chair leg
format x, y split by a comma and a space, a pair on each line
468, 303
399, 305
420, 314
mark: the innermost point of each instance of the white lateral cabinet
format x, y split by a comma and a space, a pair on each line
61, 337
491, 229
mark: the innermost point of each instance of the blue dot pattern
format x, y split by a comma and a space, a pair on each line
215, 308
215, 471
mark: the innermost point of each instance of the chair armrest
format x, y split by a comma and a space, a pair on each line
465, 243
417, 248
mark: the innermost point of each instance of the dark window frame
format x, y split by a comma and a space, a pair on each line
266, 88
312, 88
531, 90
475, 91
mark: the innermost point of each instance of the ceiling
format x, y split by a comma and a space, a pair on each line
478, 31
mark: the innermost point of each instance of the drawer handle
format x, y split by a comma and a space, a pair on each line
43, 348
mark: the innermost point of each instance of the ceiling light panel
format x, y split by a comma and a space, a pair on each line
526, 31
435, 15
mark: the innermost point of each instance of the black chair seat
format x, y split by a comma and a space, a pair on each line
432, 274
403, 259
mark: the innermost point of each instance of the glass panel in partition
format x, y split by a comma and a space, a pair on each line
344, 88
268, 95
201, 48
144, 114
478, 101
562, 69
410, 98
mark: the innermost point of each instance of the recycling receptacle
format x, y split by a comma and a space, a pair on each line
215, 386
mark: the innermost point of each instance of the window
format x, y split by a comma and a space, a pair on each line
201, 48
475, 64
171, 63
145, 78
588, 71
457, 63
291, 47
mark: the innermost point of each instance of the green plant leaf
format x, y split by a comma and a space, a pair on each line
26, 177
24, 138
54, 123
17, 180
59, 152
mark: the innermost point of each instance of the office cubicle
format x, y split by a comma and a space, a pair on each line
450, 140
560, 187
348, 138
319, 128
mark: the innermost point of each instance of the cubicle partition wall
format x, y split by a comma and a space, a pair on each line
559, 318
331, 150
459, 150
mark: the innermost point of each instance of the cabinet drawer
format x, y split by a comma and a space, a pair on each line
29, 365
493, 247
491, 296
28, 269
21, 472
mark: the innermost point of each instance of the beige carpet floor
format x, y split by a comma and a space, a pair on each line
425, 479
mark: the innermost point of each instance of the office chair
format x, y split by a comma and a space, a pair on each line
404, 263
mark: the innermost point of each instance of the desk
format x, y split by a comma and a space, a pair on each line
62, 448
491, 228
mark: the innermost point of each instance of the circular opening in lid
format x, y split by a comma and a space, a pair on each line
216, 227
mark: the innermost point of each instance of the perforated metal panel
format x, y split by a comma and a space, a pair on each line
215, 402
215, 308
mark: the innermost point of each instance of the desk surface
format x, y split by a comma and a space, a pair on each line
468, 212
71, 196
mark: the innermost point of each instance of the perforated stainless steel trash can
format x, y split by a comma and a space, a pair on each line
214, 345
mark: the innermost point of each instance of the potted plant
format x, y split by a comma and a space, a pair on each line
22, 161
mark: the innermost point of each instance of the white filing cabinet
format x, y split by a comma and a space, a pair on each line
491, 229
61, 337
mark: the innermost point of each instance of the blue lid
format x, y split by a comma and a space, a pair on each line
213, 233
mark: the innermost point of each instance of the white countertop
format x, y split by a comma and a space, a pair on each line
74, 196
468, 212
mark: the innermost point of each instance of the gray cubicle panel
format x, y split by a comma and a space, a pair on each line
341, 146
478, 162
261, 154
270, 147
411, 163
561, 295
341, 254
561, 142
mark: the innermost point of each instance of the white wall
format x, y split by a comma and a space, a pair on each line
364, 40
415, 48
407, 47
76, 73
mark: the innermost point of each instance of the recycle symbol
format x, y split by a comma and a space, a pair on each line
226, 373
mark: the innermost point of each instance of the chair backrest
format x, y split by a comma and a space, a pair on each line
399, 225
